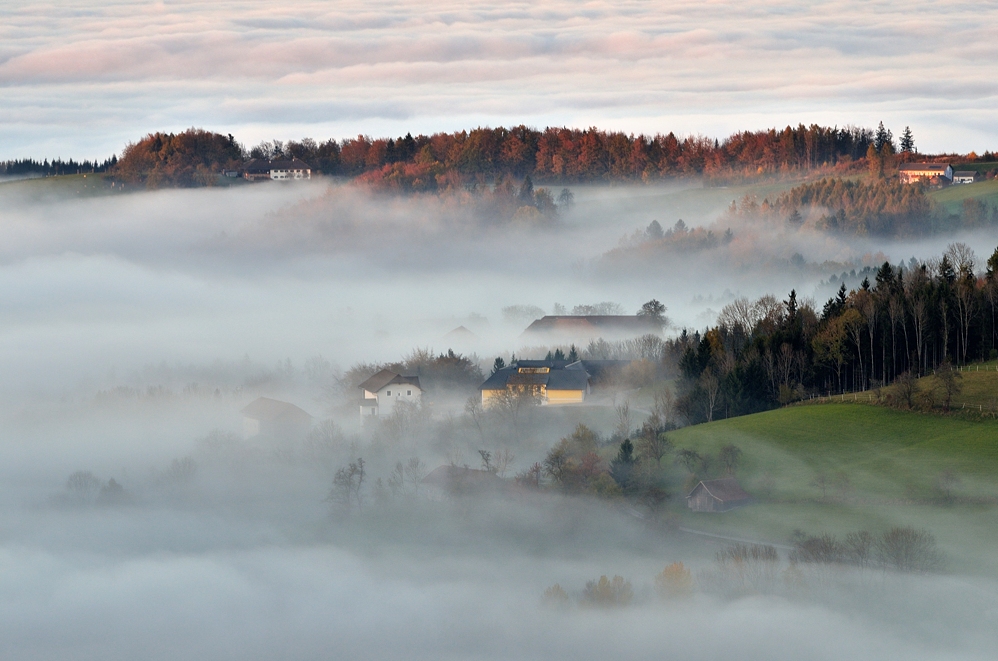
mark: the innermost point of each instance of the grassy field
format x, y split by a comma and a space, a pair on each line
76, 185
881, 467
952, 197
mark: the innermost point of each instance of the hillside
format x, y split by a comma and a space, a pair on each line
952, 198
880, 467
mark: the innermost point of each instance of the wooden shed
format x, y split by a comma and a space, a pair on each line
717, 495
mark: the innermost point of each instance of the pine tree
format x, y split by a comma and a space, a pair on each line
907, 141
882, 137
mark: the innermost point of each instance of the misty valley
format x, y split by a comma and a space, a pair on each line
319, 418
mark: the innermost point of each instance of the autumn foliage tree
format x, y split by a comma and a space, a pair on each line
190, 158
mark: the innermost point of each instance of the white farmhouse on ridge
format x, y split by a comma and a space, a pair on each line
386, 389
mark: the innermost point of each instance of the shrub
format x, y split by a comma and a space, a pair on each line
674, 582
608, 593
908, 549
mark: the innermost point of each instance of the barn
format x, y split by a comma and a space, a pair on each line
717, 495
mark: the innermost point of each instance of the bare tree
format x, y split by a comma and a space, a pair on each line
908, 549
415, 471
502, 460
689, 459
947, 482
729, 456
711, 388
949, 380
474, 410
858, 548
623, 412
347, 484
895, 312
907, 388
486, 461
665, 405
84, 486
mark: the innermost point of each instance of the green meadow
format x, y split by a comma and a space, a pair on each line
842, 467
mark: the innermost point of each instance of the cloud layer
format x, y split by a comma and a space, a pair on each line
334, 69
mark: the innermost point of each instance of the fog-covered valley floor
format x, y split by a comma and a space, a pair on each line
134, 327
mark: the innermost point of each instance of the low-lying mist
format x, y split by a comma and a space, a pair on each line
137, 519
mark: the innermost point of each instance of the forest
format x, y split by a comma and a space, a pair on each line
486, 155
911, 320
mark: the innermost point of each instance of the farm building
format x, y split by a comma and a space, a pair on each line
551, 381
716, 495
964, 176
555, 329
913, 172
275, 419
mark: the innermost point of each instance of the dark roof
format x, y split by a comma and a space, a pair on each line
965, 173
497, 381
568, 379
264, 166
387, 378
562, 376
265, 408
725, 489
293, 164
553, 364
516, 378
924, 166
594, 325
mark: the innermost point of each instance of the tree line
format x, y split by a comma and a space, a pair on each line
484, 154
911, 320
29, 166
575, 155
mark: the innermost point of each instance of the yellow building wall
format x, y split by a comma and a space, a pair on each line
566, 396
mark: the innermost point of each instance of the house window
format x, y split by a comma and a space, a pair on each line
389, 393
408, 393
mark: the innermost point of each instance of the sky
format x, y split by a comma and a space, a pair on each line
80, 79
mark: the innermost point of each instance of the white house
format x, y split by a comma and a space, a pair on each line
279, 170
384, 390
964, 177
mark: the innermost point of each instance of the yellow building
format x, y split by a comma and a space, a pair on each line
552, 382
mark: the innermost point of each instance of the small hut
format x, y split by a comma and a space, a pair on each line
717, 495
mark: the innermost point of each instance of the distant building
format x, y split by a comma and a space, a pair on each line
552, 382
276, 419
278, 170
912, 172
384, 390
577, 328
717, 495
964, 177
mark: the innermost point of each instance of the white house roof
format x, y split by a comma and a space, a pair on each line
387, 377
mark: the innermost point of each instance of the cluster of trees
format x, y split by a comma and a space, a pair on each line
444, 371
878, 207
190, 158
742, 569
908, 322
653, 240
28, 166
563, 154
902, 548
